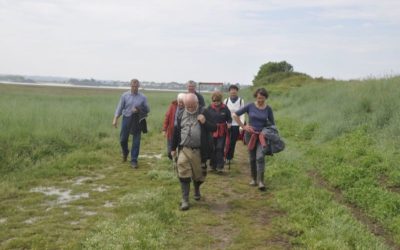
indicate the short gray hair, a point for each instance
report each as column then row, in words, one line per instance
column 191, row 82
column 180, row 97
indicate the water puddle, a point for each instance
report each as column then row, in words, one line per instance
column 158, row 156
column 63, row 195
column 101, row 188
column 90, row 213
column 83, row 179
column 31, row 220
column 108, row 204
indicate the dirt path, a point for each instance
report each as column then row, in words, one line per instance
column 242, row 212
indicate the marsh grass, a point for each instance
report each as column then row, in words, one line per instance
column 63, row 139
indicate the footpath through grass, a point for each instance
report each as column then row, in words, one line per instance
column 81, row 196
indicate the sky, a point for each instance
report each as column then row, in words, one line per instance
column 206, row 41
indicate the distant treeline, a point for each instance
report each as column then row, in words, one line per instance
column 111, row 83
column 15, row 78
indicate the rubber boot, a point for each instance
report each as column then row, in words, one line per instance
column 253, row 171
column 197, row 194
column 185, row 186
column 260, row 181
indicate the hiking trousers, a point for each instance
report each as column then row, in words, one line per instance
column 189, row 164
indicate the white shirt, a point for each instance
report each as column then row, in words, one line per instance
column 233, row 107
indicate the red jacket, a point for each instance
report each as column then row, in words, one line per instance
column 168, row 125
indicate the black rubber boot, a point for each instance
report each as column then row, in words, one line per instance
column 197, row 194
column 185, row 186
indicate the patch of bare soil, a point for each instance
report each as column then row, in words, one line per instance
column 374, row 227
column 225, row 232
column 383, row 181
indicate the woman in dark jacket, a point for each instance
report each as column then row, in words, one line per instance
column 221, row 114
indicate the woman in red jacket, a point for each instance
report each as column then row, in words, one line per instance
column 170, row 120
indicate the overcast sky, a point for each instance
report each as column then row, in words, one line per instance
column 207, row 40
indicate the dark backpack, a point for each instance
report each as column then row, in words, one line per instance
column 274, row 141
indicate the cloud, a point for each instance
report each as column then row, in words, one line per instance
column 179, row 40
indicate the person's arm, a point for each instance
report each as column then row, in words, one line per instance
column 200, row 98
column 176, row 138
column 146, row 107
column 118, row 111
column 242, row 117
column 229, row 117
column 240, row 112
column 271, row 116
column 206, row 120
column 166, row 120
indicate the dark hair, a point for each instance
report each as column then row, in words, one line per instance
column 233, row 87
column 261, row 91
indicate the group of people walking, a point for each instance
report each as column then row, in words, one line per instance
column 197, row 135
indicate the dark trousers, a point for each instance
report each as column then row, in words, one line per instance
column 124, row 137
column 234, row 134
column 217, row 157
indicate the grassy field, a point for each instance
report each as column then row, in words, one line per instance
column 336, row 186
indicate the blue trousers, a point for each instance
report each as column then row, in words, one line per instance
column 124, row 137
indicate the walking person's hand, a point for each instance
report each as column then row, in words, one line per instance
column 201, row 118
column 248, row 128
column 115, row 123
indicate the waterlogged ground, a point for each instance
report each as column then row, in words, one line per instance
column 115, row 207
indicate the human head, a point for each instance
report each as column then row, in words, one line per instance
column 191, row 103
column 180, row 98
column 135, row 84
column 191, row 86
column 216, row 97
column 261, row 95
column 233, row 90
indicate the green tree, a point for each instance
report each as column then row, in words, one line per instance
column 270, row 68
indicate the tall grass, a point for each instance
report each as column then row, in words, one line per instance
column 340, row 107
column 36, row 125
column 351, row 133
column 346, row 131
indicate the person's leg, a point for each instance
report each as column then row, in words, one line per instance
column 219, row 153
column 213, row 156
column 124, row 136
column 135, row 148
column 185, row 176
column 260, row 160
column 169, row 145
column 233, row 137
column 185, row 187
column 253, row 166
column 198, row 175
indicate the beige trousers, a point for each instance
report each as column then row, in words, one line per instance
column 189, row 164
